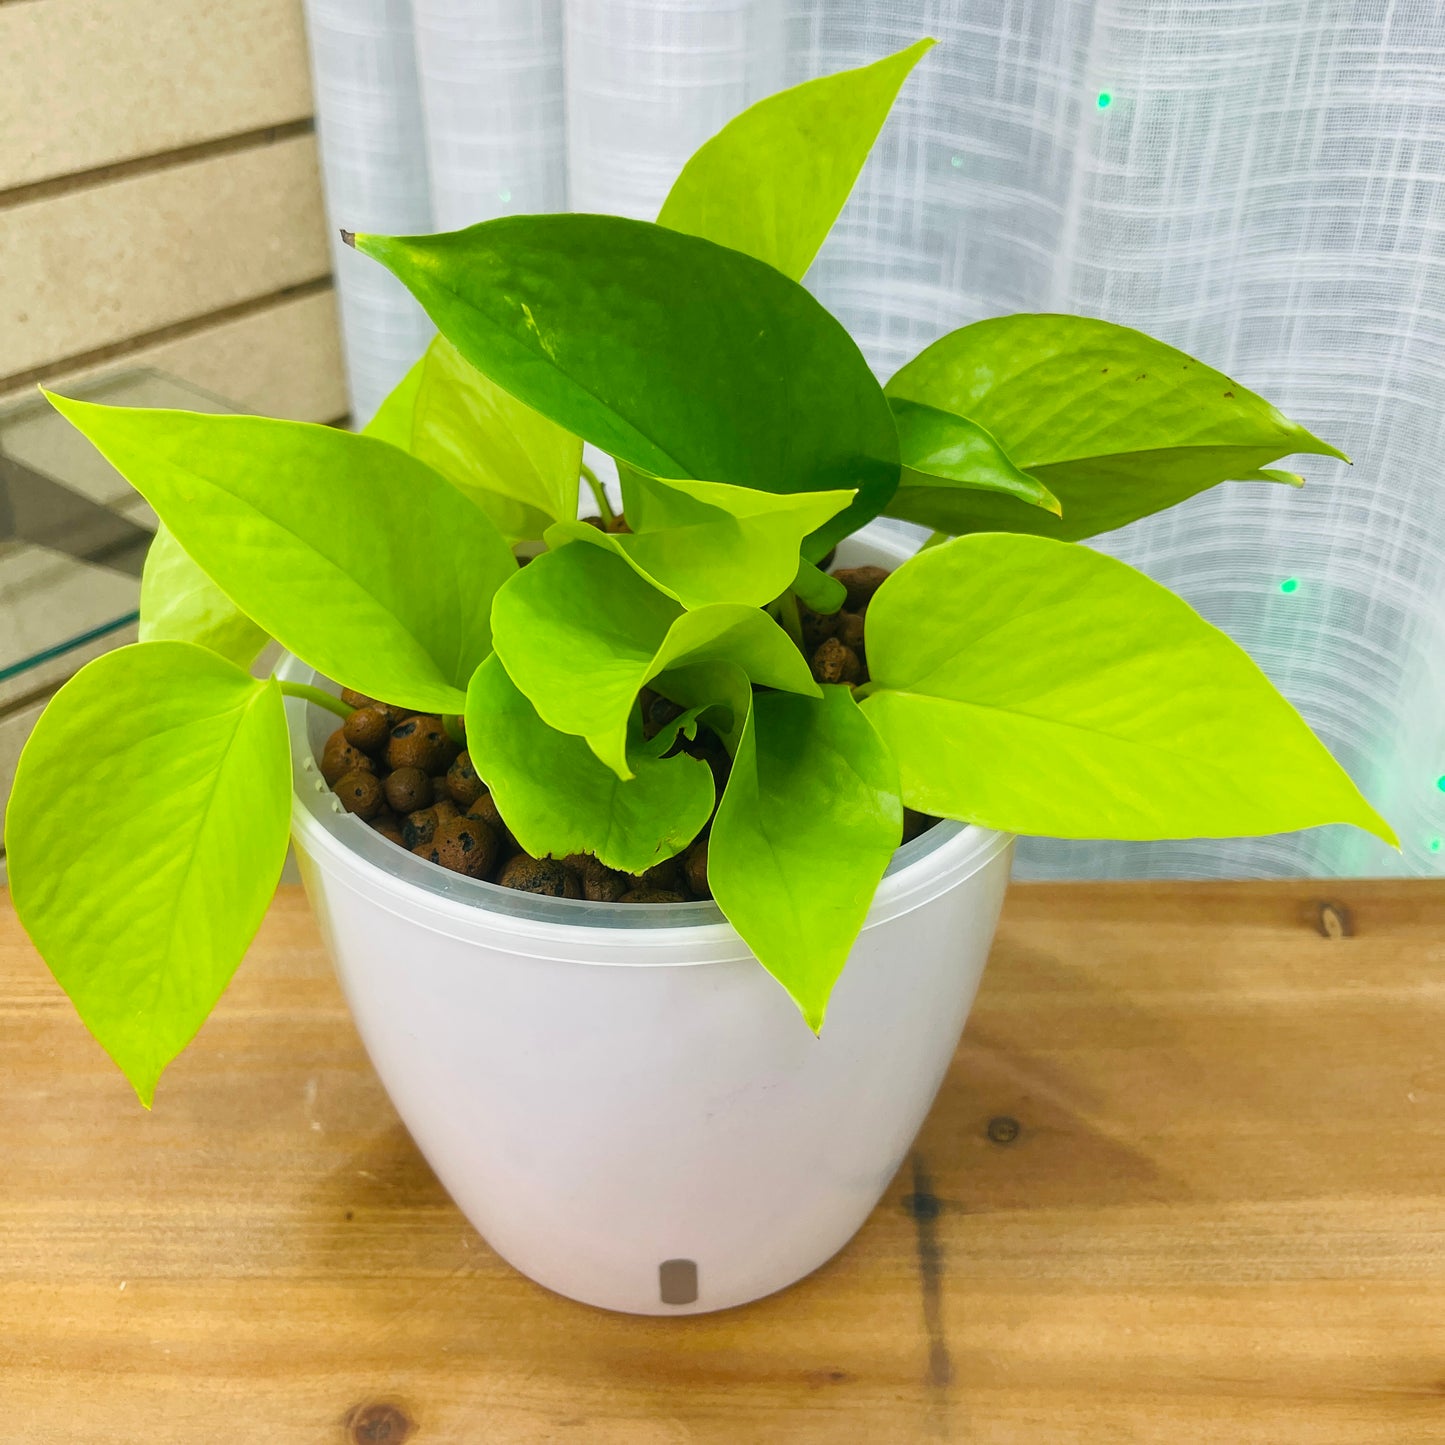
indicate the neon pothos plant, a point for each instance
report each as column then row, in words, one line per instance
column 1018, row 680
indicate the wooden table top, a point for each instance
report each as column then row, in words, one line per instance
column 1182, row 1184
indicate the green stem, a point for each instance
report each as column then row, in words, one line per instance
column 599, row 495
column 936, row 540
column 864, row 690
column 315, row 694
column 453, row 724
column 788, row 615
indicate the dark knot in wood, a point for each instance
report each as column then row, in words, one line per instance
column 1003, row 1130
column 378, row 1424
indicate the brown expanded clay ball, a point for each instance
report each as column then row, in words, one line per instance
column 694, row 868
column 408, row 789
column 352, row 698
column 817, row 627
column 360, row 793
column 485, row 808
column 604, row 885
column 368, row 728
column 465, row 845
column 419, row 827
column 422, row 826
column 653, row 895
column 548, row 876
column 421, row 742
column 709, row 747
column 463, row 783
column 836, row 663
column 339, row 757
column 666, row 875
column 860, row 583
column 850, row 631
column 600, row 884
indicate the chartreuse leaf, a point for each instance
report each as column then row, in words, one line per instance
column 1115, row 424
column 179, row 603
column 772, row 181
column 818, row 589
column 808, row 821
column 580, row 632
column 943, row 453
column 706, row 542
column 679, row 357
column 520, row 468
column 1038, row 687
column 716, row 693
column 325, row 539
column 557, row 798
column 145, row 836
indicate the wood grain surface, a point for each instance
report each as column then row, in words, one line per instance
column 1182, row 1184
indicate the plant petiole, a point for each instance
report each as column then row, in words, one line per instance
column 320, row 698
column 787, row 606
column 453, row 724
column 599, row 495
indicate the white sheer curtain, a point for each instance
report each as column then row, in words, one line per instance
column 1261, row 182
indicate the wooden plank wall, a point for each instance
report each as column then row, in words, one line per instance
column 160, row 203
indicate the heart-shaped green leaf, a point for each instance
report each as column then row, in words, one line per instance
column 772, row 181
column 520, row 468
column 944, row 455
column 357, row 557
column 705, row 542
column 806, row 827
column 1039, row 687
column 145, row 836
column 557, row 798
column 1114, row 423
column 580, row 633
column 679, row 357
column 179, row 603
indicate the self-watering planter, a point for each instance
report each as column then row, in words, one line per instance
column 692, row 1095
column 628, row 1108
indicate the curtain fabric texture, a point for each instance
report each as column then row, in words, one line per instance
column 1261, row 184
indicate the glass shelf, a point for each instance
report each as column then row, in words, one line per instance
column 73, row 533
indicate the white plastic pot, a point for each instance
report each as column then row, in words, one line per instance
column 621, row 1100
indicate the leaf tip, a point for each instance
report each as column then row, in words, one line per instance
column 144, row 1082
column 348, row 238
column 1318, row 447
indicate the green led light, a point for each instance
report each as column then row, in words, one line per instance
column 1105, row 100
column 956, row 162
column 1440, row 782
column 1436, row 844
column 504, row 196
column 1290, row 584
